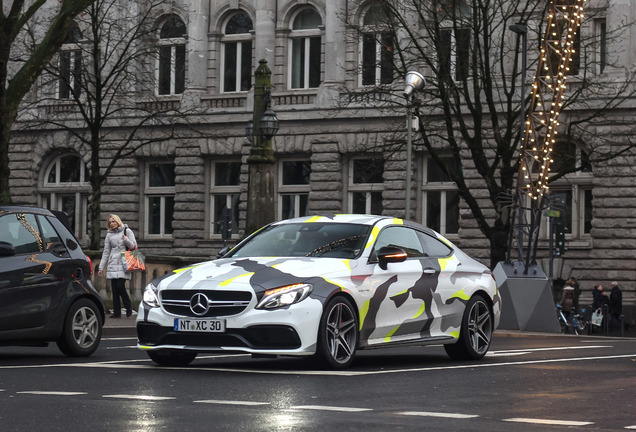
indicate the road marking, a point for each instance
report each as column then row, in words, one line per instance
column 122, row 365
column 548, row 422
column 630, row 427
column 228, row 402
column 52, row 393
column 438, row 414
column 524, row 351
column 329, row 408
column 139, row 397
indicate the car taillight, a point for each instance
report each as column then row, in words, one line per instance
column 90, row 263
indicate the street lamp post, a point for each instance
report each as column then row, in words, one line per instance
column 414, row 81
column 261, row 161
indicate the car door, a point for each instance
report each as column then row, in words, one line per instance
column 30, row 281
column 401, row 303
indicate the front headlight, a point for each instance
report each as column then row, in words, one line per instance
column 150, row 296
column 284, row 296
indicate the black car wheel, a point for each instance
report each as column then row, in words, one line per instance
column 172, row 358
column 476, row 331
column 338, row 333
column 82, row 330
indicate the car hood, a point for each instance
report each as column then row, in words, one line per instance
column 258, row 273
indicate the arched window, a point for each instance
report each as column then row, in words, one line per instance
column 376, row 50
column 70, row 65
column 237, row 53
column 172, row 57
column 305, row 49
column 65, row 187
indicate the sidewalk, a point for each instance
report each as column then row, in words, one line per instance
column 124, row 326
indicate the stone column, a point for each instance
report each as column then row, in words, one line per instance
column 335, row 42
column 261, row 191
column 335, row 47
column 265, row 26
column 197, row 45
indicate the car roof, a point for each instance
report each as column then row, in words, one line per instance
column 63, row 217
column 336, row 218
column 10, row 208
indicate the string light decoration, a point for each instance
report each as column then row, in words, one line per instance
column 542, row 120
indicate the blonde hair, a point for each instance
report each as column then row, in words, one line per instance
column 116, row 219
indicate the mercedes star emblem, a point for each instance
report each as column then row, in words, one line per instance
column 199, row 304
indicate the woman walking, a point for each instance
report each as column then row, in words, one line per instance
column 118, row 238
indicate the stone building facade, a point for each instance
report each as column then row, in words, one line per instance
column 331, row 157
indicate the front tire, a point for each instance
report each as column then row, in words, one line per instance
column 82, row 329
column 338, row 333
column 172, row 358
column 476, row 332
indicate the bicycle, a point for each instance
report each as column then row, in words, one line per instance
column 577, row 325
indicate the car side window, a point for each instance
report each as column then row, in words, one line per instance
column 432, row 246
column 49, row 235
column 21, row 230
column 403, row 237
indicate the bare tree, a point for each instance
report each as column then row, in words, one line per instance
column 17, row 78
column 101, row 90
column 471, row 105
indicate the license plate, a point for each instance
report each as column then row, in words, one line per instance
column 199, row 326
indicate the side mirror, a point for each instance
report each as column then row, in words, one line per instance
column 390, row 254
column 6, row 249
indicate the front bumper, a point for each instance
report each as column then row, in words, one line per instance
column 287, row 331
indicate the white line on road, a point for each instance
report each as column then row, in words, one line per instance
column 548, row 422
column 121, row 364
column 52, row 393
column 438, row 414
column 529, row 350
column 229, row 402
column 139, row 397
column 630, row 427
column 329, row 408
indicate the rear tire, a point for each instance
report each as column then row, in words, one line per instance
column 338, row 334
column 476, row 331
column 172, row 358
column 82, row 329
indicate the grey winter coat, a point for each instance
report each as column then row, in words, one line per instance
column 113, row 246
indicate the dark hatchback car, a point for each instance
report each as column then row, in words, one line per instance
column 46, row 294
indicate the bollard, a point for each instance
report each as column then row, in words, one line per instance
column 622, row 319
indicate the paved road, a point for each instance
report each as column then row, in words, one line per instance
column 526, row 383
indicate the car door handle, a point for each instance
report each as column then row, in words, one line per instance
column 430, row 271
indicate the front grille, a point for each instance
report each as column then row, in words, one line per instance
column 220, row 303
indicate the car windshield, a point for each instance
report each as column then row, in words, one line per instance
column 334, row 240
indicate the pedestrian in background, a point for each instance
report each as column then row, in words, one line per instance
column 577, row 290
column 567, row 301
column 615, row 304
column 599, row 298
column 118, row 238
